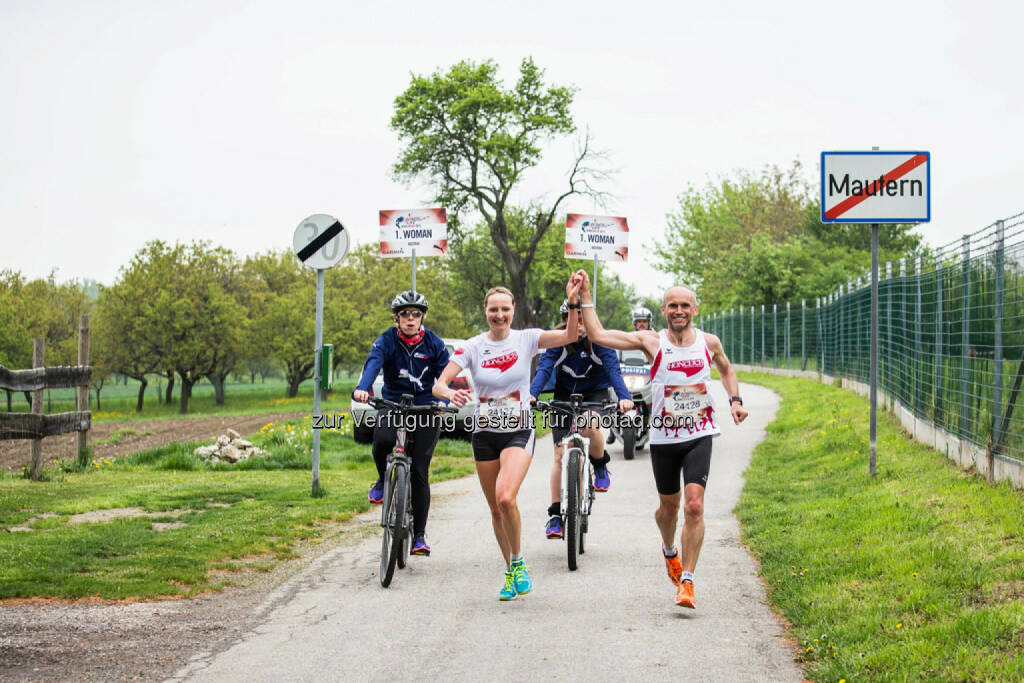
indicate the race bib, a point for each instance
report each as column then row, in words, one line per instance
column 501, row 412
column 685, row 405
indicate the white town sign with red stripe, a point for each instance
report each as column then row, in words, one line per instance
column 875, row 187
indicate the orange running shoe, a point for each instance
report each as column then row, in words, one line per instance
column 684, row 595
column 674, row 566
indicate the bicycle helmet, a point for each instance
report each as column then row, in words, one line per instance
column 642, row 314
column 408, row 299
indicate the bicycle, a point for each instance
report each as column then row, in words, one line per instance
column 577, row 471
column 396, row 510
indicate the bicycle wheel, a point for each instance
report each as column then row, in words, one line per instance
column 391, row 541
column 572, row 507
column 403, row 527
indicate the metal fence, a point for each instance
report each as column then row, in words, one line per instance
column 951, row 335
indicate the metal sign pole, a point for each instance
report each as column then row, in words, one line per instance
column 414, row 270
column 874, row 349
column 316, row 377
column 595, row 279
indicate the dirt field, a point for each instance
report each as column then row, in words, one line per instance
column 16, row 453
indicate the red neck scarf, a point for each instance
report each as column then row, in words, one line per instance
column 413, row 340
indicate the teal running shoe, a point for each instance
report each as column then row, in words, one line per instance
column 509, row 591
column 521, row 575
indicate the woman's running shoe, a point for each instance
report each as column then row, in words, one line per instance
column 376, row 494
column 509, row 590
column 523, row 582
column 419, row 546
column 554, row 527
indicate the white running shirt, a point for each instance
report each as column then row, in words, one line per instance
column 501, row 373
column 680, row 400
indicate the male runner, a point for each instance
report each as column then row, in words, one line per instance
column 683, row 420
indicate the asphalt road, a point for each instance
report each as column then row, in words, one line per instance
column 613, row 618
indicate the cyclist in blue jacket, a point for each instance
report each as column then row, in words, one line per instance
column 579, row 368
column 411, row 357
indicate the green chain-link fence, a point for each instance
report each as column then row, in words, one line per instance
column 951, row 335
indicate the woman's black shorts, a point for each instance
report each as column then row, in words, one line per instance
column 488, row 445
column 692, row 457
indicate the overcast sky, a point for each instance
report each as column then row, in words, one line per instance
column 231, row 121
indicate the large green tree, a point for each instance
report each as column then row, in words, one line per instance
column 472, row 140
column 758, row 238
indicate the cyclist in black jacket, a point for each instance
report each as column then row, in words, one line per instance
column 579, row 368
column 411, row 357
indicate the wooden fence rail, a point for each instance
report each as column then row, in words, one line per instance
column 57, row 377
column 31, row 426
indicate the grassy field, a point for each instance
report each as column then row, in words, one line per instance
column 117, row 402
column 915, row 574
column 197, row 526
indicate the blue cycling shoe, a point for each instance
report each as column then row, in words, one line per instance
column 554, row 527
column 419, row 546
column 602, row 480
column 376, row 494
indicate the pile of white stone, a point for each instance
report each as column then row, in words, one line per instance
column 230, row 447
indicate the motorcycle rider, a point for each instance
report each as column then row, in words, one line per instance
column 579, row 368
column 642, row 318
column 412, row 357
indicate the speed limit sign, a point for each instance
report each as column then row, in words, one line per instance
column 320, row 241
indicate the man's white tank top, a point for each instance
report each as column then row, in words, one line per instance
column 681, row 405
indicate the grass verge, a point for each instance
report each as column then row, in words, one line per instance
column 915, row 574
column 183, row 526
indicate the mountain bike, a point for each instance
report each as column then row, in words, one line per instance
column 577, row 470
column 396, row 510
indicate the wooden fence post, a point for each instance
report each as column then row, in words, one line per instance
column 82, row 437
column 37, row 409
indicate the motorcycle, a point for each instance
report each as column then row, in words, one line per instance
column 634, row 427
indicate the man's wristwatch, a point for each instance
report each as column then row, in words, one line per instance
column 735, row 399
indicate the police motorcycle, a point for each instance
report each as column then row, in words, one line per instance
column 634, row 427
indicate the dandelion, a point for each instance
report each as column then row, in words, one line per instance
column 913, row 574
column 899, row 625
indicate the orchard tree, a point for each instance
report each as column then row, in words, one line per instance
column 472, row 140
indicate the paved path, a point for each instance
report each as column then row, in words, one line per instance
column 614, row 618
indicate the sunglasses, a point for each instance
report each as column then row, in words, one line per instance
column 410, row 313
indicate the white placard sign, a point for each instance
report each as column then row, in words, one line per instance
column 603, row 237
column 320, row 241
column 403, row 230
column 875, row 187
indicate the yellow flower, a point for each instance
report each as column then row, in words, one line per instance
column 899, row 625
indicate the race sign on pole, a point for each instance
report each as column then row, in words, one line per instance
column 404, row 230
column 320, row 242
column 603, row 237
column 875, row 187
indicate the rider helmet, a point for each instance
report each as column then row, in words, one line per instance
column 642, row 313
column 408, row 299
column 564, row 308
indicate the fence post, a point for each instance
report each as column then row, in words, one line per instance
column 753, row 349
column 38, row 361
column 964, row 333
column 740, row 355
column 917, row 354
column 997, row 351
column 940, row 361
column 763, row 356
column 817, row 326
column 839, row 327
column 887, row 375
column 803, row 335
column 901, row 367
column 788, row 332
column 82, row 437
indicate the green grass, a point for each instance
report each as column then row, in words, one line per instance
column 118, row 401
column 915, row 574
column 250, row 516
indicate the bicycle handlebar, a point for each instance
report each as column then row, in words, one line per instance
column 571, row 408
column 380, row 402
